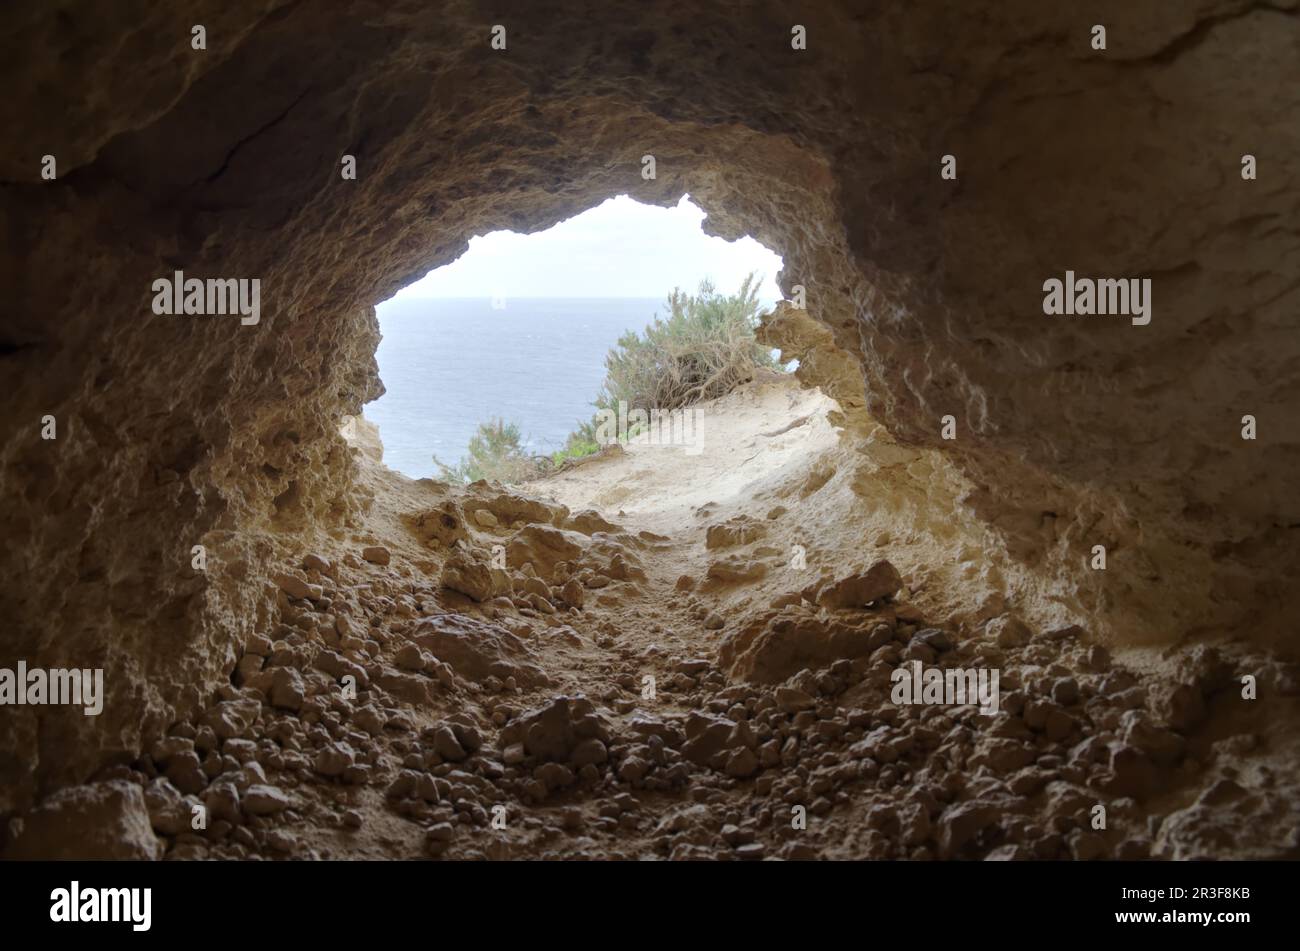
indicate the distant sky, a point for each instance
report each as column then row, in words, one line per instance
column 621, row 248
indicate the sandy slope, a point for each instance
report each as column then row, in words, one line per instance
column 752, row 438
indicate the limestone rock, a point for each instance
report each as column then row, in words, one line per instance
column 441, row 527
column 573, row 593
column 477, row 650
column 961, row 823
column 777, row 644
column 881, row 580
column 265, row 800
column 292, row 585
column 510, row 509
column 741, row 530
column 556, row 731
column 231, row 718
column 1008, row 632
column 589, row 522
column 544, row 547
column 287, row 690
column 736, row 570
column 99, row 821
column 471, row 575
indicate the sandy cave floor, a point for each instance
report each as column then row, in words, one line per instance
column 507, row 713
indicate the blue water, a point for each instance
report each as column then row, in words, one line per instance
column 450, row 364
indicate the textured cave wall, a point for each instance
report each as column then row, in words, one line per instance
column 177, row 431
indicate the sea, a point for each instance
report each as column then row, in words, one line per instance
column 449, row 364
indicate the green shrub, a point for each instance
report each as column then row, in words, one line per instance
column 496, row 452
column 574, row 448
column 703, row 349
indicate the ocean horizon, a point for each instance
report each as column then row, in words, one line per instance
column 449, row 364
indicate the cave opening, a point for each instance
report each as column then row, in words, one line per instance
column 509, row 346
column 664, row 659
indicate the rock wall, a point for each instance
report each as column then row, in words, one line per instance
column 926, row 293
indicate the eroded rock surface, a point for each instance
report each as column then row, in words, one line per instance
column 924, row 301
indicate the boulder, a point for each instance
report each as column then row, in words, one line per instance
column 879, row 581
column 98, row 821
